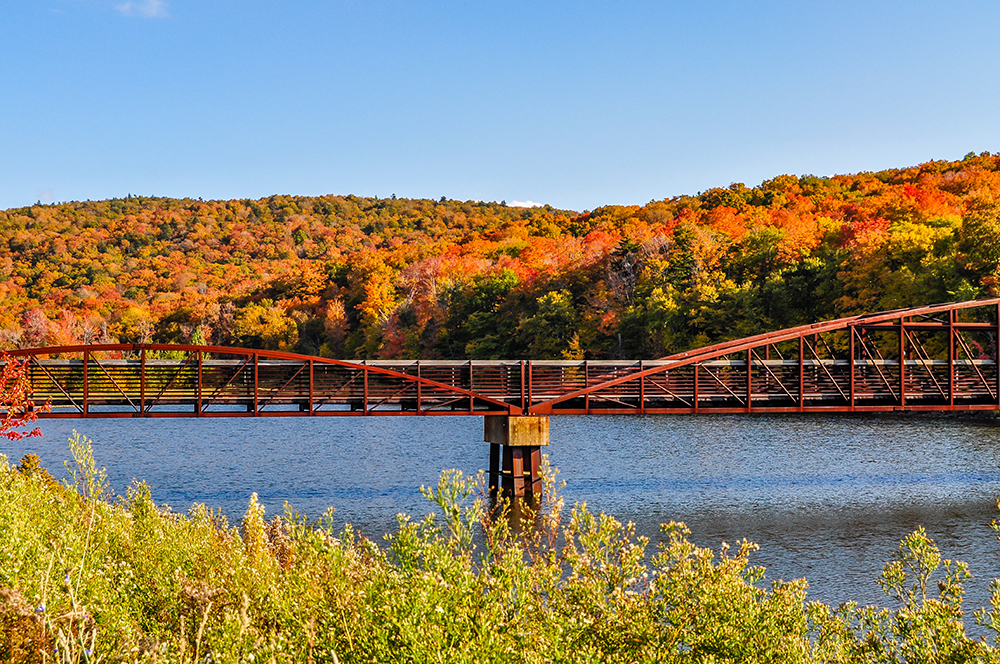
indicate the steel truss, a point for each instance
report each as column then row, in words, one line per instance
column 938, row 357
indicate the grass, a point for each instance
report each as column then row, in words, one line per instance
column 86, row 576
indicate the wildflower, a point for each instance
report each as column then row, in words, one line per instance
column 66, row 580
column 40, row 609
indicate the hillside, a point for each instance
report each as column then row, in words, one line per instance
column 356, row 277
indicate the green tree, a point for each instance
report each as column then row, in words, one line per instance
column 550, row 332
column 475, row 326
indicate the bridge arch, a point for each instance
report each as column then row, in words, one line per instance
column 134, row 380
column 928, row 358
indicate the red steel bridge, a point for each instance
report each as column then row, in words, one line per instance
column 940, row 357
column 929, row 358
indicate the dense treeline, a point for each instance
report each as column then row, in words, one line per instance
column 365, row 277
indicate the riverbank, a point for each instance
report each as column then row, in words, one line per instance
column 82, row 570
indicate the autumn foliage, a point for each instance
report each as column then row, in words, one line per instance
column 357, row 277
column 16, row 411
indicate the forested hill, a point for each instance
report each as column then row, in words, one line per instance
column 356, row 277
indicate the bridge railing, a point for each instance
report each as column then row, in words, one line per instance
column 940, row 357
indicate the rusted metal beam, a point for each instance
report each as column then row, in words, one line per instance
column 86, row 384
column 405, row 387
column 749, row 400
column 853, row 333
column 802, row 373
column 419, row 390
column 902, row 363
column 951, row 358
column 642, row 388
column 142, row 381
column 331, row 395
column 201, row 360
column 288, row 382
column 256, row 381
column 696, row 366
column 663, row 387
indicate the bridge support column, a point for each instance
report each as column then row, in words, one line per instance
column 516, row 443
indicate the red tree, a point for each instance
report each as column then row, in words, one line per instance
column 15, row 401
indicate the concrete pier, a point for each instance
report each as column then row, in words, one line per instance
column 515, row 452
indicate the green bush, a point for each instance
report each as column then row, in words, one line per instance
column 86, row 576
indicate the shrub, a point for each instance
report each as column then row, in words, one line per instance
column 87, row 576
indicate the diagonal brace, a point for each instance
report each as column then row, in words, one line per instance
column 113, row 382
column 218, row 391
column 55, row 382
column 280, row 389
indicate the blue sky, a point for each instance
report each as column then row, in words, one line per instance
column 572, row 104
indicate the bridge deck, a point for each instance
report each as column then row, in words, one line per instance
column 942, row 357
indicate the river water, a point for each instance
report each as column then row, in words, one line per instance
column 827, row 498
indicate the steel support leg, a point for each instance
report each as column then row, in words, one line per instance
column 495, row 469
column 520, row 476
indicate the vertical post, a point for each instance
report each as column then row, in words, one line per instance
column 494, row 478
column 256, row 379
column 534, row 474
column 507, row 470
column 586, row 384
column 642, row 390
column 816, row 358
column 802, row 373
column 472, row 403
column 517, row 471
column 311, row 385
column 419, row 387
column 86, row 383
column 364, row 406
column 951, row 357
column 851, row 328
column 530, row 402
column 902, row 362
column 696, row 365
column 198, row 399
column 749, row 380
column 142, row 381
column 523, row 405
